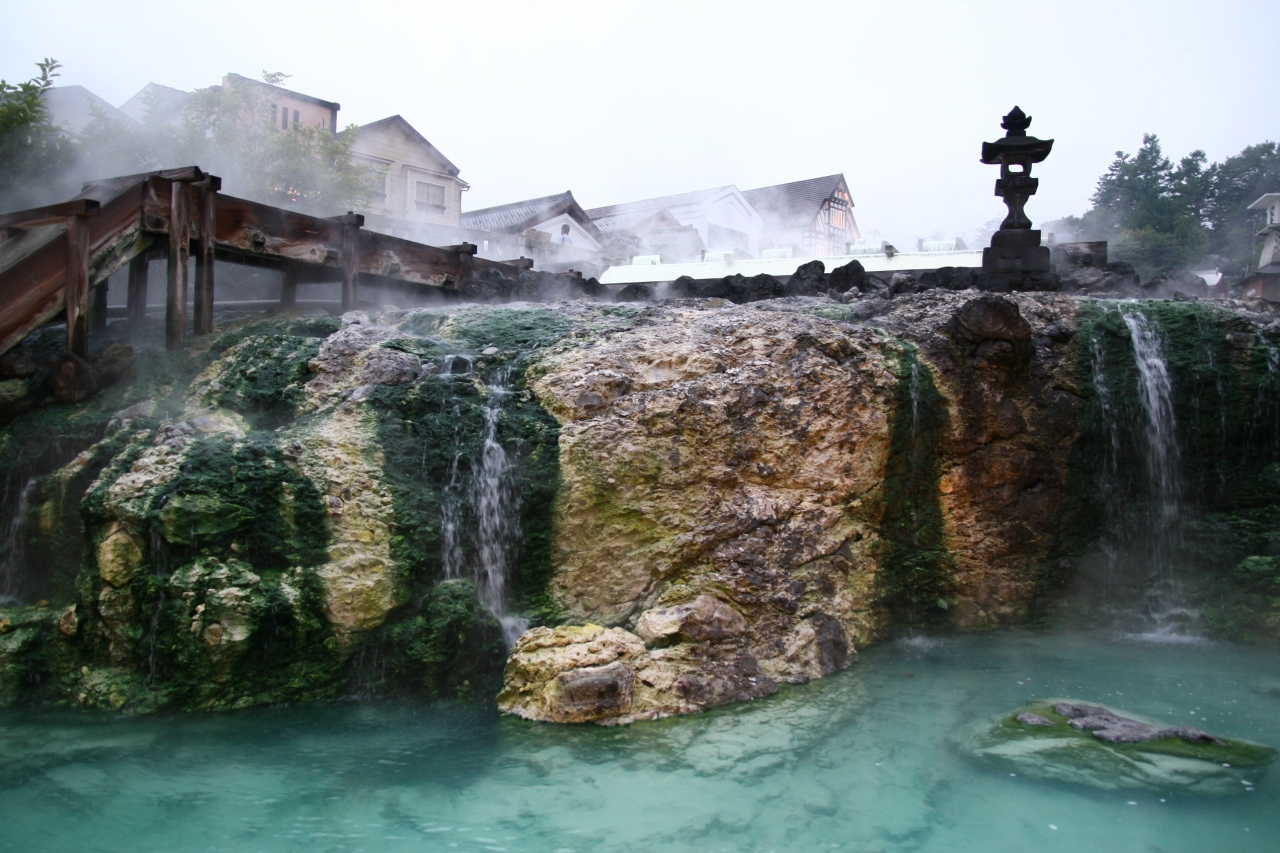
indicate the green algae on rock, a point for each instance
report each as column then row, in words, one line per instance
column 1043, row 742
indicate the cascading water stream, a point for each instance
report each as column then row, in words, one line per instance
column 496, row 522
column 12, row 567
column 492, row 494
column 1145, row 549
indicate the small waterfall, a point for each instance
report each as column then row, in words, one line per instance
column 12, row 569
column 1165, row 601
column 494, row 500
column 1141, row 483
column 498, row 527
column 1155, row 393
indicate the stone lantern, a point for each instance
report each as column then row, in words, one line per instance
column 1016, row 246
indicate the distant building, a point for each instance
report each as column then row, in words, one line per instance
column 157, row 104
column 722, row 217
column 289, row 108
column 813, row 218
column 1264, row 283
column 551, row 229
column 72, row 109
column 419, row 184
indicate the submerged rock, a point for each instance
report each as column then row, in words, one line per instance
column 1095, row 746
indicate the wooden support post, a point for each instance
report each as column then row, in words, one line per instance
column 137, row 298
column 202, row 315
column 175, row 314
column 98, row 316
column 466, row 252
column 77, row 285
column 350, row 259
column 289, row 287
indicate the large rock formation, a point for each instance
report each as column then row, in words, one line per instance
column 754, row 492
column 693, row 501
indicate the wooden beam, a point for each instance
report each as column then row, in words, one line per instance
column 185, row 174
column 77, row 286
column 52, row 214
column 203, row 309
column 175, row 316
column 137, row 298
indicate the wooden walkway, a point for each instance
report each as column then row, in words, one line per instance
column 57, row 259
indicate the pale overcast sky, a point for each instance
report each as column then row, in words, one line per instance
column 625, row 100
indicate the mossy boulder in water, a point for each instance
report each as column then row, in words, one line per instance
column 1092, row 745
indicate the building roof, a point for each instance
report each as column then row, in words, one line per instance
column 796, row 203
column 72, row 108
column 156, row 102
column 412, row 131
column 622, row 217
column 519, row 216
column 239, row 78
column 1265, row 202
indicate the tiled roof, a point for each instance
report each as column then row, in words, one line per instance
column 624, row 220
column 519, row 216
column 644, row 208
column 506, row 216
column 796, row 203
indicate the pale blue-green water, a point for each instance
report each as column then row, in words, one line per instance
column 862, row 761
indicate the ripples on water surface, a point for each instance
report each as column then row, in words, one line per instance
column 861, row 761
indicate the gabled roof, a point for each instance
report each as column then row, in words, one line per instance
column 154, row 101
column 71, row 108
column 796, row 203
column 413, row 132
column 519, row 216
column 310, row 99
column 618, row 217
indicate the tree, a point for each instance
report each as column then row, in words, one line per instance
column 1160, row 217
column 1237, row 182
column 33, row 152
column 228, row 131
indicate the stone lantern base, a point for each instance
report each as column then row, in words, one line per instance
column 1016, row 250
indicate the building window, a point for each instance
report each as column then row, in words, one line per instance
column 284, row 118
column 295, row 119
column 275, row 117
column 429, row 198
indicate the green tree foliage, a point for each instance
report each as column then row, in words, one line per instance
column 1160, row 216
column 33, row 152
column 226, row 130
column 229, row 131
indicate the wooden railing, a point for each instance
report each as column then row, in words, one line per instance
column 133, row 219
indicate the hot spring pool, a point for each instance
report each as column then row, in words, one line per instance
column 862, row 761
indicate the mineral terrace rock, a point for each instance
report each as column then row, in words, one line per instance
column 706, row 618
column 1104, row 749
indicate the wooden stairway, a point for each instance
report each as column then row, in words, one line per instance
column 54, row 259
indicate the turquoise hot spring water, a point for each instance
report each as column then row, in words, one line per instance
column 866, row 760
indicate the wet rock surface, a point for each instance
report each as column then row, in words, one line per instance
column 724, row 497
column 1099, row 747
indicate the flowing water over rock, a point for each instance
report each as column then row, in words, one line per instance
column 1144, row 546
column 865, row 760
column 497, row 523
column 12, row 557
